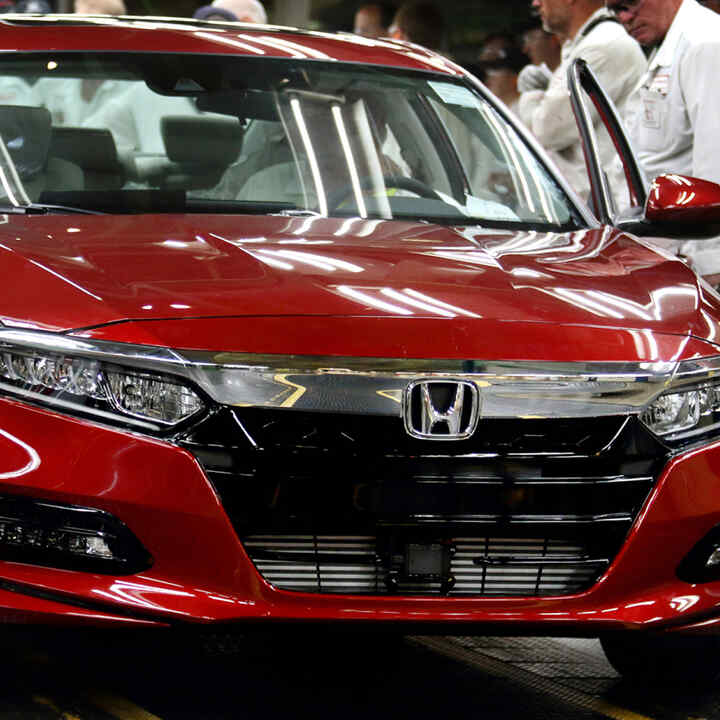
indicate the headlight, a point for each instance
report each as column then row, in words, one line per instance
column 140, row 398
column 685, row 415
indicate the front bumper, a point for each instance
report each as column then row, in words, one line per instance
column 201, row 573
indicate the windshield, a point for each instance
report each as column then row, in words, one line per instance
column 189, row 133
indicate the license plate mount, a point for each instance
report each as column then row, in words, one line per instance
column 427, row 561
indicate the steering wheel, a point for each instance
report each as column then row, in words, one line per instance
column 401, row 182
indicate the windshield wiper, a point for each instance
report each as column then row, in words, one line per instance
column 298, row 212
column 44, row 209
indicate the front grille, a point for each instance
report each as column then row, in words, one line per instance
column 348, row 504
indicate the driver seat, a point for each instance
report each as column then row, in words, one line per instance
column 26, row 131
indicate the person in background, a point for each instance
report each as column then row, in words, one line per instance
column 672, row 114
column 500, row 75
column 545, row 52
column 497, row 46
column 14, row 90
column 616, row 59
column 32, row 6
column 134, row 116
column 215, row 14
column 100, row 7
column 373, row 20
column 420, row 23
column 542, row 47
column 70, row 101
column 714, row 5
column 246, row 11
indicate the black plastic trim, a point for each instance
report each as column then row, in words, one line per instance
column 693, row 568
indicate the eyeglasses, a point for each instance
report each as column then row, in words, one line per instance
column 624, row 6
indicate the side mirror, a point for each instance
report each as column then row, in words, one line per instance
column 677, row 199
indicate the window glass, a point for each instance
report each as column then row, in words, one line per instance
column 165, row 133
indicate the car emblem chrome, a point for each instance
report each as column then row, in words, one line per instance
column 441, row 409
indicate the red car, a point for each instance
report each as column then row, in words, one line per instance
column 301, row 328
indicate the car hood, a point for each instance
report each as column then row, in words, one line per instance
column 327, row 286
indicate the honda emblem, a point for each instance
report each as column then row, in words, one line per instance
column 441, row 409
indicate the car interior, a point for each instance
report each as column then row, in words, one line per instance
column 158, row 135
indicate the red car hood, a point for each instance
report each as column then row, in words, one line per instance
column 325, row 286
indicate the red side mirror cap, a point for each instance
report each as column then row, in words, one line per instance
column 680, row 199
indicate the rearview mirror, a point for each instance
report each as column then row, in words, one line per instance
column 677, row 199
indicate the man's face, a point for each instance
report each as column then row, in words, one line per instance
column 555, row 15
column 367, row 23
column 646, row 20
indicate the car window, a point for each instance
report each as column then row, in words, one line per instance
column 167, row 133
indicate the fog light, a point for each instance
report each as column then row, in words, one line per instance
column 714, row 558
column 97, row 546
column 68, row 536
column 702, row 563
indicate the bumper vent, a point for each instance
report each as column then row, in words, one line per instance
column 355, row 565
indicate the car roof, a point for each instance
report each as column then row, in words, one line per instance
column 57, row 32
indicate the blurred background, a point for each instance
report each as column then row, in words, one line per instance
column 468, row 21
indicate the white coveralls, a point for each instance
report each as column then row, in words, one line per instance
column 68, row 104
column 672, row 116
column 618, row 62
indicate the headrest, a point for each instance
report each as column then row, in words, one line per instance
column 202, row 141
column 92, row 149
column 26, row 133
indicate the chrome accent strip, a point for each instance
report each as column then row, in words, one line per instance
column 375, row 386
column 510, row 519
column 534, row 560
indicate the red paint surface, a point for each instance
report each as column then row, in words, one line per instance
column 679, row 199
column 279, row 285
column 154, row 35
column 201, row 573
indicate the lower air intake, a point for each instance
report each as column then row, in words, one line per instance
column 475, row 566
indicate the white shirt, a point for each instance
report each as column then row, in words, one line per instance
column 15, row 91
column 68, row 104
column 672, row 116
column 618, row 62
column 134, row 116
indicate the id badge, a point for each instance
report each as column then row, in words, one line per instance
column 651, row 118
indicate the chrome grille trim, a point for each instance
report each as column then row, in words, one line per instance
column 519, row 567
column 375, row 386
